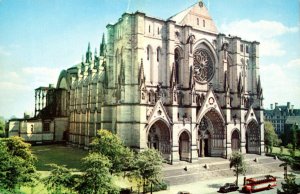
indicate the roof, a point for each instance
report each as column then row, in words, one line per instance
column 196, row 16
column 180, row 16
column 283, row 111
column 293, row 120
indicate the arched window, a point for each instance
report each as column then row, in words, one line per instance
column 157, row 54
column 148, row 53
column 198, row 21
column 177, row 64
column 149, row 64
column 149, row 28
column 203, row 23
column 158, row 30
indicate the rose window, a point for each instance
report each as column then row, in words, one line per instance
column 203, row 66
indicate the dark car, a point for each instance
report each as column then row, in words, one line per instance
column 228, row 187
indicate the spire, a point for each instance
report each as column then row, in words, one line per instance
column 259, row 88
column 95, row 53
column 258, row 85
column 102, row 46
column 88, row 54
column 96, row 58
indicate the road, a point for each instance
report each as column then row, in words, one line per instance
column 212, row 186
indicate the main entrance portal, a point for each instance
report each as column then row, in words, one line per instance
column 211, row 135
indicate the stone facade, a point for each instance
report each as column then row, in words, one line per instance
column 176, row 85
column 50, row 122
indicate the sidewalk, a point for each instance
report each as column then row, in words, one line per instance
column 213, row 185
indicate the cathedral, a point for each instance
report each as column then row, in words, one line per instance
column 175, row 85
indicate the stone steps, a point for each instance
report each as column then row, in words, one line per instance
column 176, row 175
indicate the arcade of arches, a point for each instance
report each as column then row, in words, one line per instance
column 210, row 139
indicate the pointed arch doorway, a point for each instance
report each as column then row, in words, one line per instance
column 252, row 138
column 211, row 135
column 235, row 141
column 184, row 146
column 159, row 138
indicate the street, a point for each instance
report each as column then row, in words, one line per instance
column 212, row 186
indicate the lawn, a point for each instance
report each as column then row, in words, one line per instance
column 63, row 155
column 276, row 150
column 58, row 154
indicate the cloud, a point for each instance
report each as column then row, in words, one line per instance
column 17, row 87
column 264, row 31
column 281, row 82
column 294, row 64
column 41, row 75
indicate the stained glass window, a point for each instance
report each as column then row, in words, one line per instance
column 203, row 66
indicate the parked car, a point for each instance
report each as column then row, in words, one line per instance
column 228, row 187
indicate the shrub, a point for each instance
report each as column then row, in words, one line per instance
column 157, row 186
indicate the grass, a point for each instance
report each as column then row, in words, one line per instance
column 276, row 150
column 39, row 188
column 58, row 154
column 68, row 156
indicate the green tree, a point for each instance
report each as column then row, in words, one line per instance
column 287, row 161
column 2, row 127
column 96, row 178
column 294, row 136
column 271, row 137
column 237, row 161
column 148, row 165
column 110, row 145
column 16, row 164
column 291, row 150
column 289, row 186
column 60, row 180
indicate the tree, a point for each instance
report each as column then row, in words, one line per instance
column 148, row 166
column 287, row 161
column 2, row 127
column 289, row 186
column 96, row 178
column 271, row 137
column 111, row 146
column 294, row 136
column 237, row 161
column 16, row 164
column 60, row 180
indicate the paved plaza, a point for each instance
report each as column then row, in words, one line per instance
column 206, row 175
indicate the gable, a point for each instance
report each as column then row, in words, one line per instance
column 250, row 116
column 209, row 103
column 159, row 112
column 196, row 16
